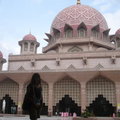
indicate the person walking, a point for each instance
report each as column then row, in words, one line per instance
column 33, row 98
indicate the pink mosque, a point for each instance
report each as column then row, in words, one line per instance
column 79, row 67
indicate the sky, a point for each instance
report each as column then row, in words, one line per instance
column 20, row 17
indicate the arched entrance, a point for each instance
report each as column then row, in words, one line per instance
column 101, row 96
column 67, row 96
column 9, row 94
column 101, row 107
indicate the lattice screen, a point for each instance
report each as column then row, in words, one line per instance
column 101, row 86
column 67, row 86
column 9, row 87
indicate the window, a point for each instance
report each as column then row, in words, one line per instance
column 81, row 32
column 118, row 42
column 32, row 47
column 95, row 33
column 57, row 35
column 26, row 46
column 69, row 33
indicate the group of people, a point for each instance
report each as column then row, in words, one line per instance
column 32, row 103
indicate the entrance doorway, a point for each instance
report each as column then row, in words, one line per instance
column 67, row 105
column 101, row 107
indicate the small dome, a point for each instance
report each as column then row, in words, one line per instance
column 29, row 37
column 1, row 55
column 117, row 32
column 77, row 14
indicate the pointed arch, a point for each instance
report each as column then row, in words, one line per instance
column 67, row 86
column 82, row 30
column 68, row 30
column 9, row 87
column 101, row 85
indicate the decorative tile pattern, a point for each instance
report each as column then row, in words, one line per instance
column 9, row 87
column 67, row 86
column 76, row 14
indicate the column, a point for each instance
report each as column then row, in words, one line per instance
column 20, row 98
column 118, row 95
column 83, row 96
column 50, row 100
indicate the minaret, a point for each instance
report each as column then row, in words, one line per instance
column 78, row 2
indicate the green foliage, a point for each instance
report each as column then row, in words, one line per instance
column 87, row 114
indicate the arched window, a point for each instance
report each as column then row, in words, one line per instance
column 68, row 31
column 95, row 31
column 25, row 46
column 106, row 34
column 32, row 47
column 56, row 33
column 81, row 32
column 118, row 42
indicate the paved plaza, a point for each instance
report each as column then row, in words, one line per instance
column 27, row 118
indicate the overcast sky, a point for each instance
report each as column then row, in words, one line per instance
column 19, row 17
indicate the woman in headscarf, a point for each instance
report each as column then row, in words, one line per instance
column 33, row 98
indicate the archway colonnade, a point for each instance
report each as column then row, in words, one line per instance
column 81, row 87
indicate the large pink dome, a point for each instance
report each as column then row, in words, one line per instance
column 1, row 55
column 29, row 37
column 117, row 32
column 76, row 14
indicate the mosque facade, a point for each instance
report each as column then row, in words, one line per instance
column 79, row 67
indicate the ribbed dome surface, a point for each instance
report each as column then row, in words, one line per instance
column 76, row 14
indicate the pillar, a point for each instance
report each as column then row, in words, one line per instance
column 50, row 100
column 20, row 98
column 83, row 96
column 118, row 95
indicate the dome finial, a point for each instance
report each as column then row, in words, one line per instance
column 78, row 2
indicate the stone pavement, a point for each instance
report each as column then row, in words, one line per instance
column 27, row 118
